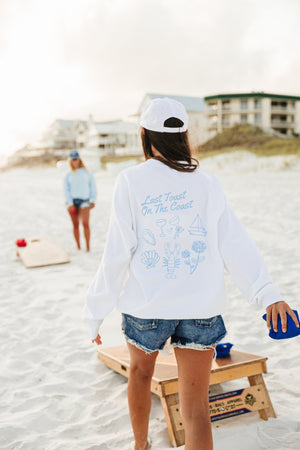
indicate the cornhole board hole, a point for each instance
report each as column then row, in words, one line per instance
column 42, row 251
column 254, row 397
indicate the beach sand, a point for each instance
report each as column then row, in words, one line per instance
column 55, row 393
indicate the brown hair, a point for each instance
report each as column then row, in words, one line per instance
column 174, row 148
column 81, row 165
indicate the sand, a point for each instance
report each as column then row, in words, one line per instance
column 55, row 393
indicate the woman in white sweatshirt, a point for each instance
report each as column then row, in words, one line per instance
column 172, row 232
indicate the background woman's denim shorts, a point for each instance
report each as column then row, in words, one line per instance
column 151, row 335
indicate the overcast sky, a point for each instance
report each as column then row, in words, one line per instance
column 71, row 58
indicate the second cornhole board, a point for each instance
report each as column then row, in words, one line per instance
column 227, row 404
column 42, row 251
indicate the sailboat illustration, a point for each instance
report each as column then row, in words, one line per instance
column 196, row 228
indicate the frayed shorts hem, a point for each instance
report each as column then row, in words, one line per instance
column 191, row 346
column 140, row 346
column 198, row 347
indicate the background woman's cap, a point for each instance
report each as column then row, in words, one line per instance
column 74, row 155
column 164, row 115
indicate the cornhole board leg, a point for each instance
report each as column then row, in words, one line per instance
column 269, row 411
column 222, row 406
column 172, row 416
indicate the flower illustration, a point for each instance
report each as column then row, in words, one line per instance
column 185, row 254
column 199, row 246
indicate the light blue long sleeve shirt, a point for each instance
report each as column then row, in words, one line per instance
column 80, row 184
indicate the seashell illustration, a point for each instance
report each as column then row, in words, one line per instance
column 150, row 258
column 149, row 237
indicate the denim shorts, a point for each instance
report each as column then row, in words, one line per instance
column 151, row 335
column 80, row 203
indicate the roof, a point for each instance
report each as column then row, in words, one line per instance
column 252, row 94
column 114, row 127
column 65, row 123
column 191, row 104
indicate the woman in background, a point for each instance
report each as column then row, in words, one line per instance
column 80, row 194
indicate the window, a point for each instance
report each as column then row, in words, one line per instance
column 212, row 106
column 244, row 118
column 257, row 103
column 257, row 118
column 244, row 103
column 226, row 104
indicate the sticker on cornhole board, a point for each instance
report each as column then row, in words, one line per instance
column 42, row 251
column 230, row 404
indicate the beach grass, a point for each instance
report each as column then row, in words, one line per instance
column 250, row 138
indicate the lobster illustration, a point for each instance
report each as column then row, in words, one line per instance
column 171, row 261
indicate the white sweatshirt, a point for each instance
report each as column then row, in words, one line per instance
column 173, row 232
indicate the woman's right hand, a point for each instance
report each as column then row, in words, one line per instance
column 97, row 340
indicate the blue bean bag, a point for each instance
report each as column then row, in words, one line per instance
column 223, row 350
column 291, row 331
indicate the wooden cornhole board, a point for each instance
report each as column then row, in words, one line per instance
column 164, row 383
column 42, row 251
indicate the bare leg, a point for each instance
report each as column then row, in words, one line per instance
column 193, row 386
column 84, row 217
column 139, row 393
column 75, row 223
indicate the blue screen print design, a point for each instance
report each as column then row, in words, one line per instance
column 149, row 237
column 172, row 261
column 170, row 227
column 193, row 259
column 150, row 258
column 196, row 228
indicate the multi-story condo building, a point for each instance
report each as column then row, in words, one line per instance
column 268, row 111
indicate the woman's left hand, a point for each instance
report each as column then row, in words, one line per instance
column 281, row 308
column 92, row 205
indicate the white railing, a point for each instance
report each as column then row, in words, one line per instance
column 282, row 123
column 283, row 109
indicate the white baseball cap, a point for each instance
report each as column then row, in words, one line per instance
column 154, row 117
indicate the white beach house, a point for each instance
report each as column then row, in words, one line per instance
column 62, row 134
column 112, row 136
column 268, row 111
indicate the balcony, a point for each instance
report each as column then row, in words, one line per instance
column 212, row 112
column 282, row 124
column 226, row 108
column 212, row 125
column 283, row 109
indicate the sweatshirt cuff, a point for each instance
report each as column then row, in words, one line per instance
column 94, row 326
column 268, row 295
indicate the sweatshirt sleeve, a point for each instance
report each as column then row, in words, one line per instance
column 93, row 188
column 244, row 262
column 105, row 289
column 67, row 190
